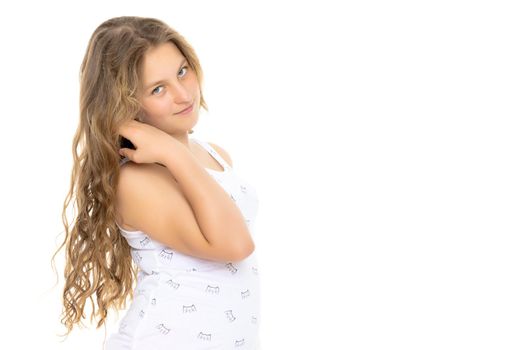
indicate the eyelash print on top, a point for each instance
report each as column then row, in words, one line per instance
column 153, row 91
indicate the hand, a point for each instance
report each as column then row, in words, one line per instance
column 152, row 144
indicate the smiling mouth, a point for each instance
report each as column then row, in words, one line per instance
column 185, row 110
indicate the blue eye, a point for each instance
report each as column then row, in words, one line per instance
column 153, row 91
column 185, row 67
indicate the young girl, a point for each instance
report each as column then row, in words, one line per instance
column 168, row 214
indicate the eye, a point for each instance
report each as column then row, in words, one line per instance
column 153, row 91
column 185, row 67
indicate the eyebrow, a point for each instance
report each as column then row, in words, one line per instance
column 161, row 81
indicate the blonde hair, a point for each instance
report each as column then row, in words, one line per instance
column 97, row 258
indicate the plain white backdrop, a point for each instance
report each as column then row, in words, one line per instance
column 385, row 140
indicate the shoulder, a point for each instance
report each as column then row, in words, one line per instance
column 222, row 152
column 138, row 184
column 133, row 176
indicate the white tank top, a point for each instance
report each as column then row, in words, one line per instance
column 185, row 302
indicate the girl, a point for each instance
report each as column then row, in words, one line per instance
column 167, row 223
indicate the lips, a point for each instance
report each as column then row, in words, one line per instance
column 185, row 110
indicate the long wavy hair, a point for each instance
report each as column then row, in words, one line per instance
column 97, row 257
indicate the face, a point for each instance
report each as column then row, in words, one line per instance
column 169, row 87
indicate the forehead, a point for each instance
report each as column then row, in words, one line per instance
column 160, row 58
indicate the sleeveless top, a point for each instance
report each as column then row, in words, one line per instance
column 185, row 302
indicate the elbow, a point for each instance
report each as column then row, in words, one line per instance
column 244, row 252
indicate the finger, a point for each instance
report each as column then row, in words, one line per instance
column 124, row 152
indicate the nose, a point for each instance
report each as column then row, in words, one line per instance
column 180, row 94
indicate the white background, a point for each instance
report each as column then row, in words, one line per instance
column 385, row 140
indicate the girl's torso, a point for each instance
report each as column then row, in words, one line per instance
column 184, row 300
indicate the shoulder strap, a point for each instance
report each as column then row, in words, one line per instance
column 213, row 153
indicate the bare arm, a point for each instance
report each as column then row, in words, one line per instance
column 218, row 217
column 183, row 207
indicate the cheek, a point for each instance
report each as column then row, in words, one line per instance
column 159, row 106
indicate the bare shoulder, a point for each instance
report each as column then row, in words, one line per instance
column 222, row 152
column 135, row 177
